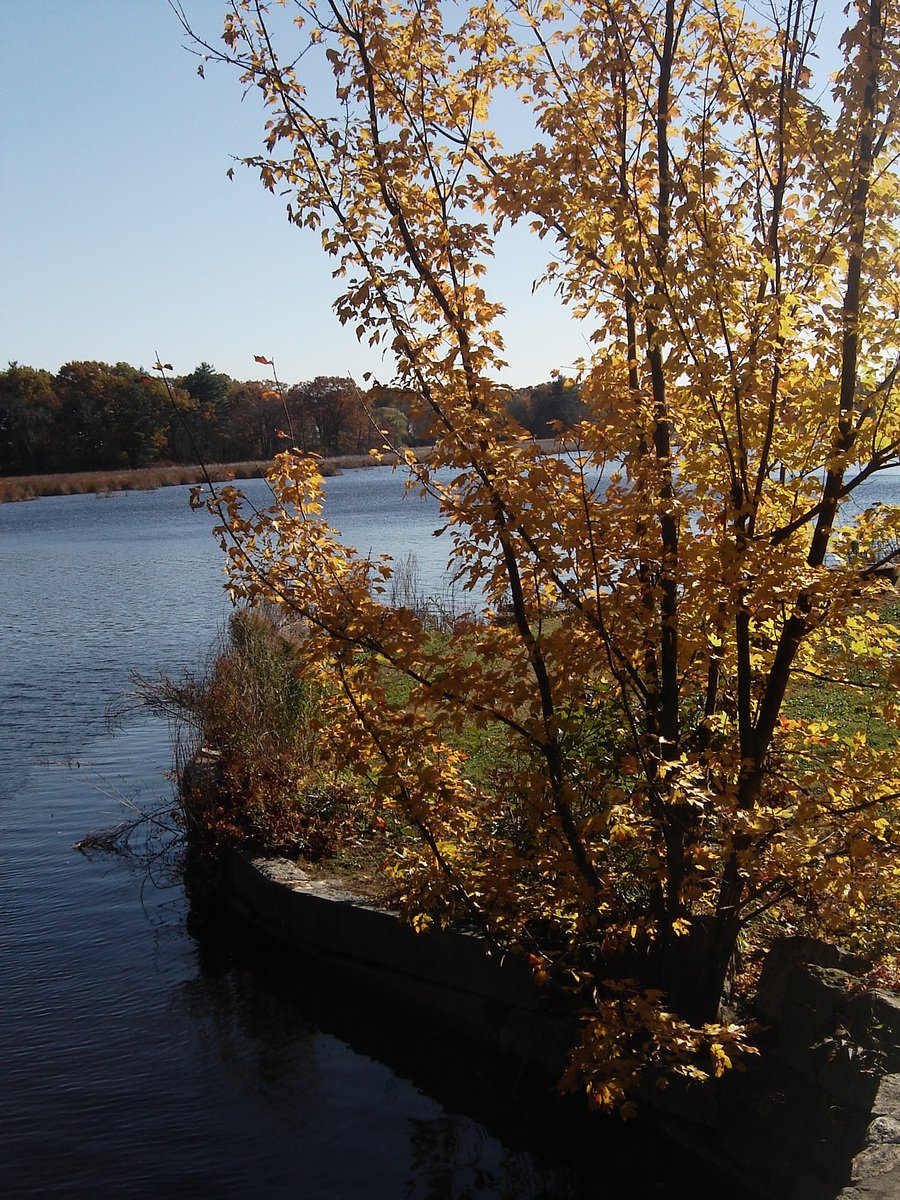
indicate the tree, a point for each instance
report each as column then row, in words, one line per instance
column 28, row 409
column 549, row 409
column 392, row 424
column 729, row 226
column 109, row 416
column 204, row 422
column 141, row 417
column 333, row 415
column 255, row 413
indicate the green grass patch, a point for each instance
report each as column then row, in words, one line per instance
column 848, row 691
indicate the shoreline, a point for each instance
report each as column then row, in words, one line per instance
column 810, row 1118
column 16, row 488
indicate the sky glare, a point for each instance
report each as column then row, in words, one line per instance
column 122, row 237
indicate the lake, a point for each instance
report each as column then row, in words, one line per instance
column 147, row 1051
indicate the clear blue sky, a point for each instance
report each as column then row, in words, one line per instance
column 122, row 235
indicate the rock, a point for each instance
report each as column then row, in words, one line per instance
column 887, row 1099
column 876, row 1169
column 874, row 1023
column 883, row 1130
column 881, row 1187
column 785, row 954
column 874, row 1161
column 813, row 1005
column 810, row 1186
column 847, row 1076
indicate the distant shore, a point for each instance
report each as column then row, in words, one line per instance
column 143, row 479
column 147, row 479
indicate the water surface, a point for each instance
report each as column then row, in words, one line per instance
column 144, row 1054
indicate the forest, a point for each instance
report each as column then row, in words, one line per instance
column 94, row 416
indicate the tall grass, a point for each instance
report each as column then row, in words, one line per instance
column 143, row 479
column 443, row 612
column 147, row 479
column 249, row 746
column 103, row 483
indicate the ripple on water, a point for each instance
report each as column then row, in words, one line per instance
column 141, row 1062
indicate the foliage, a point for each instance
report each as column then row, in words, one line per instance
column 547, row 409
column 110, row 416
column 27, row 413
column 92, row 416
column 727, row 230
column 127, row 479
column 853, row 697
column 256, row 768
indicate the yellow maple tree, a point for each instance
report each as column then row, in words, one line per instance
column 725, row 224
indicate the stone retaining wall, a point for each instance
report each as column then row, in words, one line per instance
column 449, row 976
column 844, row 1042
column 825, row 1088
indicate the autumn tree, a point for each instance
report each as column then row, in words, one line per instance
column 254, row 415
column 332, row 414
column 725, row 219
column 198, row 427
column 108, row 416
column 28, row 410
column 549, row 409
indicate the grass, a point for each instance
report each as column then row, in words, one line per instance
column 252, row 765
column 266, row 779
column 275, row 788
column 145, row 479
column 141, row 479
column 104, row 483
column 846, row 696
column 255, row 769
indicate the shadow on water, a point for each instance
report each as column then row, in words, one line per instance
column 490, row 1132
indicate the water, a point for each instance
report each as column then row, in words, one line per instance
column 143, row 1052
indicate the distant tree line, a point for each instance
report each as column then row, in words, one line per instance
column 93, row 416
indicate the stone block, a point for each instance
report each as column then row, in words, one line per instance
column 874, row 1024
column 814, row 1002
column 810, row 1186
column 883, row 1130
column 785, row 954
column 877, row 1187
column 887, row 1098
column 846, row 1075
column 875, row 1161
column 793, row 1135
